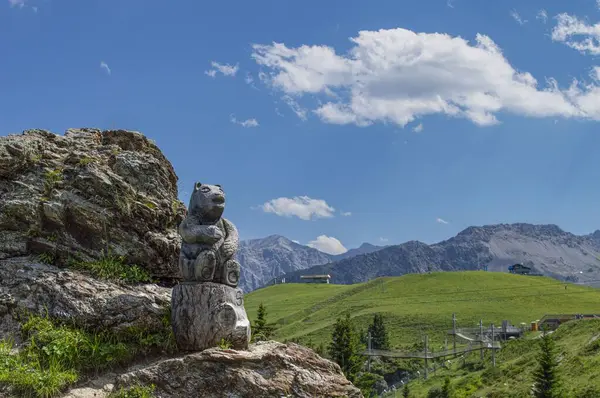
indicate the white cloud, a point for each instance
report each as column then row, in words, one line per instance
column 296, row 108
column 577, row 34
column 396, row 76
column 249, row 79
column 17, row 3
column 598, row 3
column 302, row 207
column 224, row 69
column 296, row 242
column 346, row 213
column 105, row 66
column 441, row 221
column 450, row 3
column 515, row 15
column 418, row 128
column 246, row 123
column 384, row 240
column 542, row 15
column 327, row 244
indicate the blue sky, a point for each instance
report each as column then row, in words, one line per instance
column 417, row 135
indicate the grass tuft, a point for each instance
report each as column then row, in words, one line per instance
column 114, row 268
column 55, row 355
column 134, row 392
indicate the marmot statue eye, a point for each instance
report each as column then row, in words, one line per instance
column 205, row 189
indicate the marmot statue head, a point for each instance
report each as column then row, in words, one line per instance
column 207, row 202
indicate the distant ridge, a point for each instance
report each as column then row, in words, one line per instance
column 546, row 248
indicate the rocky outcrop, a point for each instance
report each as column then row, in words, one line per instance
column 74, row 196
column 84, row 301
column 267, row 369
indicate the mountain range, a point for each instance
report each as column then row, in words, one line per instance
column 546, row 248
column 264, row 260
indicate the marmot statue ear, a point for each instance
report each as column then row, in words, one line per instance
column 197, row 186
column 217, row 185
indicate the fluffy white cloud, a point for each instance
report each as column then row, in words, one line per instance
column 327, row 244
column 246, row 123
column 441, row 221
column 515, row 15
column 542, row 15
column 418, row 128
column 396, row 76
column 577, row 34
column 302, row 207
column 105, row 66
column 225, row 69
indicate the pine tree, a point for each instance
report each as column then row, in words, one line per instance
column 261, row 330
column 545, row 376
column 379, row 336
column 405, row 391
column 446, row 388
column 343, row 349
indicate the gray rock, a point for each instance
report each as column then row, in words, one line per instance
column 204, row 313
column 67, row 295
column 86, row 191
column 267, row 369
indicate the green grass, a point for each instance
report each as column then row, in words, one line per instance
column 114, row 268
column 55, row 355
column 418, row 304
column 579, row 367
column 134, row 392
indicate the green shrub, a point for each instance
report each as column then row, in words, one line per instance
column 51, row 178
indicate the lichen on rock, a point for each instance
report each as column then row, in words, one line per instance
column 80, row 194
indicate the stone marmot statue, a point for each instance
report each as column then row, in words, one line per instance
column 209, row 241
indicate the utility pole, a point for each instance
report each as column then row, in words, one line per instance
column 493, row 348
column 426, row 364
column 481, row 339
column 369, row 362
column 454, row 333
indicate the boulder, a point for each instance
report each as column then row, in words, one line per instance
column 84, row 301
column 267, row 369
column 86, row 193
column 204, row 313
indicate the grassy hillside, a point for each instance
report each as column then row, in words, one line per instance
column 416, row 304
column 578, row 344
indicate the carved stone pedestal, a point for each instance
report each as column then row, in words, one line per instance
column 204, row 313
